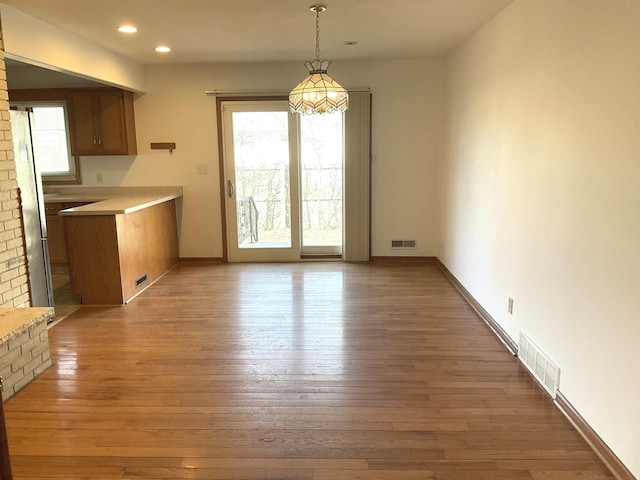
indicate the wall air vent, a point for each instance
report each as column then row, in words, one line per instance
column 141, row 280
column 540, row 365
column 403, row 244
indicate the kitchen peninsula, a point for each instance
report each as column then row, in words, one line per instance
column 119, row 240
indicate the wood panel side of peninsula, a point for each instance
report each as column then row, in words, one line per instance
column 113, row 258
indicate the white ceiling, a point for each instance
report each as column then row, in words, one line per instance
column 254, row 30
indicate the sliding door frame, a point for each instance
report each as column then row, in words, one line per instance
column 355, row 216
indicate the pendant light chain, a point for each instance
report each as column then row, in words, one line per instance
column 318, row 53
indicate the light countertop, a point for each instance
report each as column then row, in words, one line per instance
column 15, row 320
column 111, row 200
column 70, row 197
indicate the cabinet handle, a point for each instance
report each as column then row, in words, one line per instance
column 100, row 143
column 95, row 143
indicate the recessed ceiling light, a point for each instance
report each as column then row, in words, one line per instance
column 163, row 49
column 127, row 29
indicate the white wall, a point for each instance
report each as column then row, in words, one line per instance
column 407, row 110
column 540, row 190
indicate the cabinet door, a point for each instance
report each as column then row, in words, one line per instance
column 55, row 230
column 111, row 123
column 101, row 122
column 82, row 123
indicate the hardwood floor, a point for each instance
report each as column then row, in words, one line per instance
column 316, row 371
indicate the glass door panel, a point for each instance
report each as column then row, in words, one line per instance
column 321, row 160
column 261, row 154
column 260, row 151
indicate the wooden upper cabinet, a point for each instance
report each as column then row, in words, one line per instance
column 101, row 122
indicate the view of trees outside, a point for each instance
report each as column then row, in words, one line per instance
column 261, row 153
column 321, row 171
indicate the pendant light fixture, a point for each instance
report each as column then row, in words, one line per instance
column 318, row 93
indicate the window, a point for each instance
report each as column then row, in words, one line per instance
column 51, row 147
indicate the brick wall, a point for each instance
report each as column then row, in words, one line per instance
column 14, row 281
column 24, row 352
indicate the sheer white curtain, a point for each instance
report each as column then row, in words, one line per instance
column 357, row 178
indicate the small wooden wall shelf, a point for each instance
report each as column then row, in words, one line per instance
column 171, row 146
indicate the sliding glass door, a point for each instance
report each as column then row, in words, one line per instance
column 283, row 179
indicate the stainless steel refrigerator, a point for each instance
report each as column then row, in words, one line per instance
column 33, row 212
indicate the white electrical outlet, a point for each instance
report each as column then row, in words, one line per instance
column 99, row 177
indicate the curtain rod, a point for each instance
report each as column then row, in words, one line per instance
column 262, row 93
column 244, row 93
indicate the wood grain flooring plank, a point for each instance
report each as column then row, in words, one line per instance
column 309, row 371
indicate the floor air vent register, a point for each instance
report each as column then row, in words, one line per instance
column 540, row 365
